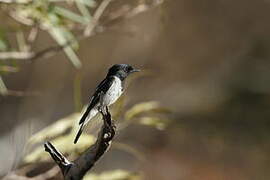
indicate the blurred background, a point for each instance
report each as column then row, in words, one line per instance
column 205, row 61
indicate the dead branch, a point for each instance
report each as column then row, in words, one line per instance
column 77, row 169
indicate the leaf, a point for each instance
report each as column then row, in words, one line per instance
column 114, row 175
column 70, row 15
column 61, row 35
column 90, row 3
column 3, row 88
column 73, row 57
column 83, row 9
column 22, row 46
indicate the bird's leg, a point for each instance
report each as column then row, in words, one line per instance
column 101, row 106
column 100, row 109
column 111, row 120
column 108, row 123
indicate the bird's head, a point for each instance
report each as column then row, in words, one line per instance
column 121, row 70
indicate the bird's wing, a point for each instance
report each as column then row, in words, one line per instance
column 101, row 88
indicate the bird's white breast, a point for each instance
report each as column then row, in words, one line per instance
column 114, row 92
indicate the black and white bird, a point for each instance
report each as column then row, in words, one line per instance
column 106, row 93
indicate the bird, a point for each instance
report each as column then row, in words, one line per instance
column 106, row 93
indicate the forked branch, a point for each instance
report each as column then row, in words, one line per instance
column 77, row 169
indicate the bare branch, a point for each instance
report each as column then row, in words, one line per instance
column 59, row 158
column 77, row 169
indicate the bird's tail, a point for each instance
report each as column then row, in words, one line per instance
column 89, row 114
column 79, row 133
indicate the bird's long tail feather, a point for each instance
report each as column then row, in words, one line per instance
column 79, row 133
column 86, row 113
column 81, row 123
column 87, row 116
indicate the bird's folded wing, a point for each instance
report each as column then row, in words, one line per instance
column 103, row 87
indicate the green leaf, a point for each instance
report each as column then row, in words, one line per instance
column 3, row 88
column 62, row 37
column 21, row 41
column 70, row 15
column 83, row 9
column 90, row 3
column 73, row 57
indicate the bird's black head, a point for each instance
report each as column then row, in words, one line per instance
column 121, row 70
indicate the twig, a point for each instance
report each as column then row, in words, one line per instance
column 126, row 12
column 45, row 53
column 90, row 27
column 77, row 169
column 59, row 159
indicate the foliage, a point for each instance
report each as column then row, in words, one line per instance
column 66, row 21
column 57, row 17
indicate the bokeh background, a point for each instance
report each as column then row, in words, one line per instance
column 208, row 63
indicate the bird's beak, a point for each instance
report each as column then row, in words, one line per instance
column 135, row 70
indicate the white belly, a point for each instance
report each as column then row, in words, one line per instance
column 113, row 93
